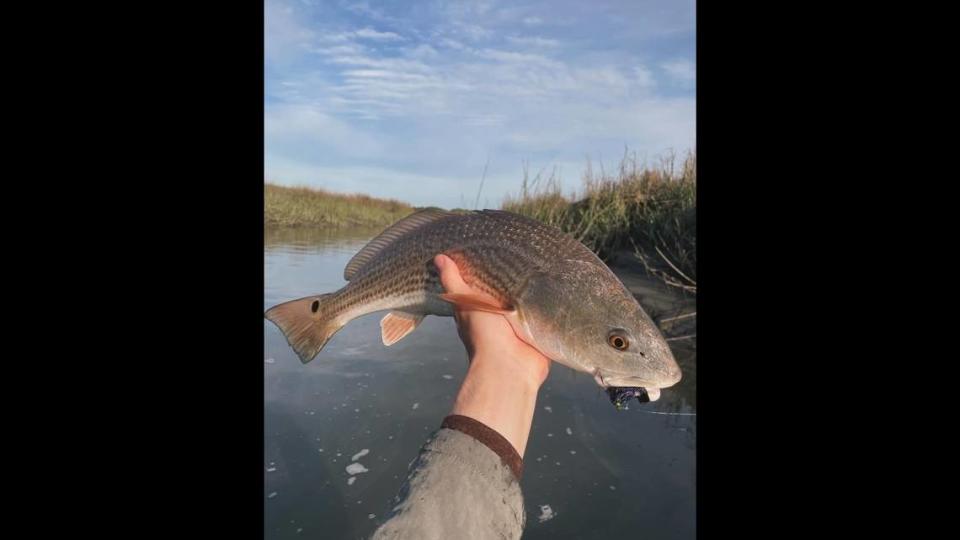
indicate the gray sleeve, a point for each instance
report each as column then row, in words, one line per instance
column 457, row 488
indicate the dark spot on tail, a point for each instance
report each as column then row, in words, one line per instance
column 315, row 306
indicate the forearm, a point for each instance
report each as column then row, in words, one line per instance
column 499, row 396
column 459, row 487
column 465, row 483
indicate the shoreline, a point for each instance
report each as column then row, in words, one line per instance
column 309, row 208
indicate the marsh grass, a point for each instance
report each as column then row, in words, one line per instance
column 650, row 210
column 306, row 207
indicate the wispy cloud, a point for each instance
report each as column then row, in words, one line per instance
column 285, row 35
column 451, row 43
column 533, row 41
column 364, row 9
column 681, row 70
column 643, row 76
column 514, row 57
column 363, row 33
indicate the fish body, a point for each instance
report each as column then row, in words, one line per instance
column 557, row 294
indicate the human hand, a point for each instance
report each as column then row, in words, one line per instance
column 505, row 373
column 489, row 336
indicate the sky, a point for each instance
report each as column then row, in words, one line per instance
column 420, row 101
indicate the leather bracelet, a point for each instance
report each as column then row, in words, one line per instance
column 489, row 438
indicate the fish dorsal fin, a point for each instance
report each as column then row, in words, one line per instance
column 390, row 235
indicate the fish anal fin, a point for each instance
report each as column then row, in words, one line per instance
column 397, row 324
column 477, row 302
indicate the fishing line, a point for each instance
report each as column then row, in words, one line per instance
column 601, row 392
column 669, row 413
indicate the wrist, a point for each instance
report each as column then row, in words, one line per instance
column 496, row 395
column 521, row 369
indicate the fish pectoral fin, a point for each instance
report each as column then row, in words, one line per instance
column 473, row 301
column 396, row 325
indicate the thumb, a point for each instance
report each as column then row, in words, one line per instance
column 450, row 275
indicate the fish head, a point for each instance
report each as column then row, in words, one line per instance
column 623, row 348
column 587, row 320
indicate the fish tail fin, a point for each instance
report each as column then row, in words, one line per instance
column 307, row 323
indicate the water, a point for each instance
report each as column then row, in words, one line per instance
column 589, row 470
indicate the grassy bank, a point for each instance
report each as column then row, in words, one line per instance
column 647, row 210
column 304, row 207
column 650, row 210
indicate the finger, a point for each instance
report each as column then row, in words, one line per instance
column 453, row 283
column 450, row 275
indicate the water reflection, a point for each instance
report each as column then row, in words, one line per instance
column 602, row 472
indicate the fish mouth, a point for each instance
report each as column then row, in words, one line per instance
column 619, row 395
column 622, row 389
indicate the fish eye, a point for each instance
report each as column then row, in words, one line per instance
column 618, row 340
